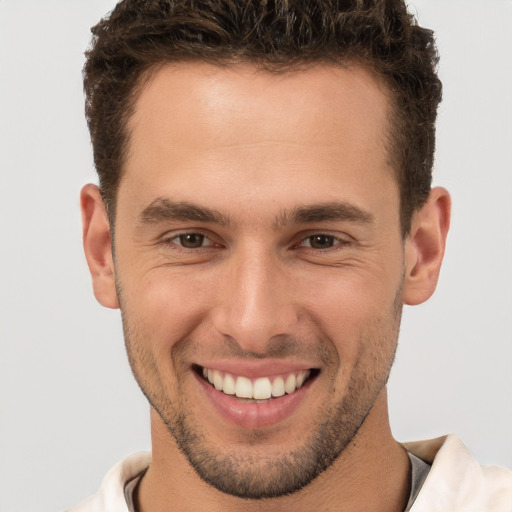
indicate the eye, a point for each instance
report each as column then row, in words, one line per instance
column 191, row 240
column 323, row 241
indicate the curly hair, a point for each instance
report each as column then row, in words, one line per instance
column 276, row 35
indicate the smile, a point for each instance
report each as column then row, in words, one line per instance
column 263, row 388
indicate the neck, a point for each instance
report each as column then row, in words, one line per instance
column 372, row 474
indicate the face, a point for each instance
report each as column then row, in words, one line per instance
column 259, row 266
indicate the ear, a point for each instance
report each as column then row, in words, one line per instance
column 424, row 247
column 97, row 246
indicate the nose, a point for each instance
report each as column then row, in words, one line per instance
column 255, row 301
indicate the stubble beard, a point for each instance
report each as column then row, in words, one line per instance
column 257, row 477
column 262, row 477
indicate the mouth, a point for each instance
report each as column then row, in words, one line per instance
column 259, row 390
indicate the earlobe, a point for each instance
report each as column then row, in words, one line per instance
column 97, row 246
column 424, row 247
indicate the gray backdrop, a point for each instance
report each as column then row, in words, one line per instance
column 69, row 407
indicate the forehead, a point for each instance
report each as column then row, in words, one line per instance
column 289, row 101
column 250, row 131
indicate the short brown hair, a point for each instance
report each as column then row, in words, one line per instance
column 277, row 35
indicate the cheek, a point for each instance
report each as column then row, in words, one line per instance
column 166, row 305
column 357, row 310
column 349, row 297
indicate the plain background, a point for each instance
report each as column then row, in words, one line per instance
column 69, row 407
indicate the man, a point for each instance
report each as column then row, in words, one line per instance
column 264, row 210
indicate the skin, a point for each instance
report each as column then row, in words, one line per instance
column 255, row 147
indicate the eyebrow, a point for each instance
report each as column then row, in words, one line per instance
column 339, row 211
column 164, row 209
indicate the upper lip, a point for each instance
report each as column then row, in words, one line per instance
column 256, row 368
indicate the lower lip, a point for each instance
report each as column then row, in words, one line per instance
column 253, row 415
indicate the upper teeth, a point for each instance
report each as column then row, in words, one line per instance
column 257, row 389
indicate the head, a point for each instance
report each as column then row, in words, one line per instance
column 266, row 167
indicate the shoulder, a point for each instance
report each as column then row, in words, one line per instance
column 111, row 497
column 457, row 481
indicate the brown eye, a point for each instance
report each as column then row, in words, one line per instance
column 191, row 240
column 321, row 241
